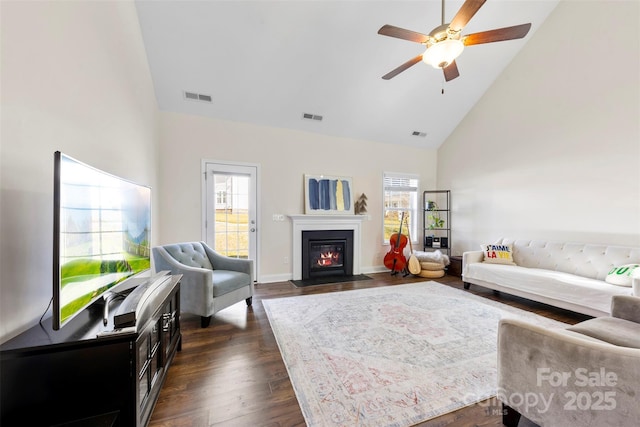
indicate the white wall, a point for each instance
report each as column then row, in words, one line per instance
column 284, row 157
column 552, row 151
column 75, row 79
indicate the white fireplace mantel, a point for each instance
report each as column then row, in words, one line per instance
column 324, row 222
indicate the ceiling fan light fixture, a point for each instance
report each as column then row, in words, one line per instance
column 443, row 53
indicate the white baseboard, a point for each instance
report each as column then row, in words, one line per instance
column 374, row 269
column 271, row 278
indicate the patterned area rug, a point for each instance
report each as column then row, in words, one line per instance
column 389, row 356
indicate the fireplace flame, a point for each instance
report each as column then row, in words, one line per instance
column 328, row 258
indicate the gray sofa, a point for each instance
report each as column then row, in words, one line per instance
column 566, row 275
column 587, row 374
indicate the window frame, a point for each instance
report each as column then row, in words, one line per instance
column 414, row 202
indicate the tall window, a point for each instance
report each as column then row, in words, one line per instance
column 400, row 195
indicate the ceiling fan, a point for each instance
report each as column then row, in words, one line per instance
column 445, row 42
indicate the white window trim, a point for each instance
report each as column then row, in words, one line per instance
column 414, row 213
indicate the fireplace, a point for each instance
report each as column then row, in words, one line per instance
column 327, row 253
column 303, row 223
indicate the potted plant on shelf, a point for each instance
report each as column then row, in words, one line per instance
column 434, row 220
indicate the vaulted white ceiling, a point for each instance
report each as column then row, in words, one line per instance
column 268, row 62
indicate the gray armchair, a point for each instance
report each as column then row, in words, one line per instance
column 210, row 281
column 587, row 374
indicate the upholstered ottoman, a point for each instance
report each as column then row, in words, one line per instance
column 432, row 264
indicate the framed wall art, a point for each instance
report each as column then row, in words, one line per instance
column 328, row 195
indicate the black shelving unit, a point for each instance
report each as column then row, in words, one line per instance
column 436, row 220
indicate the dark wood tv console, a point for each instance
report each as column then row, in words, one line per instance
column 78, row 376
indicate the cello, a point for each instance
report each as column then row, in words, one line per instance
column 394, row 260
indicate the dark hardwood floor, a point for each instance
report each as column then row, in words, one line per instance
column 232, row 374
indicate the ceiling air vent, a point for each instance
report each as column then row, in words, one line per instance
column 311, row 117
column 420, row 134
column 197, row 96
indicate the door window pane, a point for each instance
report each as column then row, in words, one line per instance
column 231, row 215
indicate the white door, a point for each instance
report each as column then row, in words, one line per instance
column 230, row 217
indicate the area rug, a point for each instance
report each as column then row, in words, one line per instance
column 389, row 356
column 329, row 279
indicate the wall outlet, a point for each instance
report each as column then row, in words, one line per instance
column 286, row 260
column 278, row 217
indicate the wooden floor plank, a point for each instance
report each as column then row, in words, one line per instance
column 232, row 373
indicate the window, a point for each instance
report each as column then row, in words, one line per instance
column 221, row 198
column 400, row 195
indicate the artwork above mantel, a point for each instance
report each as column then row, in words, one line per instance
column 328, row 195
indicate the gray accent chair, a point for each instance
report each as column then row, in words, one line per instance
column 587, row 374
column 210, row 281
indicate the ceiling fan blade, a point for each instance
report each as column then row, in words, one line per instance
column 497, row 35
column 409, row 63
column 401, row 33
column 451, row 71
column 464, row 15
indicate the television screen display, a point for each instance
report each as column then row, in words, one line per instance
column 101, row 238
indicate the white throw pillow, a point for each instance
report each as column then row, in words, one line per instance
column 621, row 275
column 498, row 253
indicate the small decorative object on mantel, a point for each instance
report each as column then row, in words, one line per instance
column 360, row 206
column 327, row 195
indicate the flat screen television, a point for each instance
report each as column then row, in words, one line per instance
column 101, row 236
